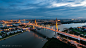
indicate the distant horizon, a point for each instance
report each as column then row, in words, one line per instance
column 41, row 19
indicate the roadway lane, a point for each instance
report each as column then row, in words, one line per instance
column 24, row 40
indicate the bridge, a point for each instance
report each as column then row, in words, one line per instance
column 57, row 31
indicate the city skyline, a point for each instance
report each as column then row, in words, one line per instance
column 42, row 9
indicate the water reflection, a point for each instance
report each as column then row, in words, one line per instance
column 37, row 36
column 28, row 30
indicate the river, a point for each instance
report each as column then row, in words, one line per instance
column 30, row 39
column 62, row 26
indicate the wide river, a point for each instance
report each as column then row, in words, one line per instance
column 30, row 39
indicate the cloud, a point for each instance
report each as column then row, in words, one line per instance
column 42, row 9
column 34, row 4
column 68, row 4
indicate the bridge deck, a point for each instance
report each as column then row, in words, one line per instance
column 66, row 34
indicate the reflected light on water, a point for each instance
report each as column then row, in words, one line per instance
column 28, row 30
column 35, row 35
column 44, row 29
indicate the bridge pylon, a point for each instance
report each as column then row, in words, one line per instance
column 29, row 21
column 11, row 20
column 19, row 21
column 35, row 22
column 56, row 25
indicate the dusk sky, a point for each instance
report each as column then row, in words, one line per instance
column 42, row 9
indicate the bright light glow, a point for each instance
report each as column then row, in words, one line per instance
column 58, row 20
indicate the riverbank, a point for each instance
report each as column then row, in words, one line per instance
column 55, row 43
column 11, row 36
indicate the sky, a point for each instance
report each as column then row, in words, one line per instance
column 42, row 9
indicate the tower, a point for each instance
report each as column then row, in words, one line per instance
column 35, row 22
column 56, row 24
column 29, row 21
column 19, row 21
column 11, row 20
